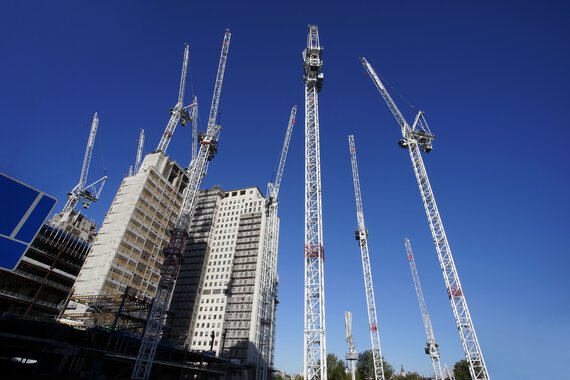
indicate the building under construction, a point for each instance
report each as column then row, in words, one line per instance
column 45, row 349
column 45, row 276
column 127, row 250
column 216, row 301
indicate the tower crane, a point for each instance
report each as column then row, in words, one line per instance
column 175, row 249
column 179, row 113
column 138, row 160
column 449, row 376
column 431, row 346
column 361, row 234
column 86, row 193
column 415, row 138
column 194, row 117
column 351, row 355
column 315, row 352
column 139, row 152
column 269, row 262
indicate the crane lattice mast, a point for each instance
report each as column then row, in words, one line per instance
column 139, row 152
column 351, row 355
column 449, row 376
column 194, row 118
column 178, row 113
column 174, row 250
column 86, row 193
column 431, row 346
column 268, row 281
column 362, row 236
column 416, row 138
column 315, row 361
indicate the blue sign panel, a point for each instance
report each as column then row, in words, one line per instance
column 23, row 210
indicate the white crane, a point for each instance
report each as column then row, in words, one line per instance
column 361, row 234
column 449, row 376
column 194, row 118
column 431, row 348
column 269, row 263
column 86, row 193
column 351, row 355
column 315, row 352
column 174, row 250
column 140, row 146
column 415, row 138
column 139, row 152
column 179, row 113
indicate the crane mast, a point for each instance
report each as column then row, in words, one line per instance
column 139, row 152
column 351, row 355
column 431, row 346
column 362, row 236
column 174, row 250
column 449, row 377
column 269, row 262
column 416, row 138
column 315, row 361
column 194, row 118
column 82, row 191
column 178, row 112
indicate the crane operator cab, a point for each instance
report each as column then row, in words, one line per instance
column 422, row 138
column 184, row 117
column 360, row 236
column 213, row 143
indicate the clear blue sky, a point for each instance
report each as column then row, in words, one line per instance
column 492, row 77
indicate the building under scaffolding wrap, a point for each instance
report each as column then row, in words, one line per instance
column 127, row 249
column 44, row 277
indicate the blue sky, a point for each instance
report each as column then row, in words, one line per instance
column 492, row 78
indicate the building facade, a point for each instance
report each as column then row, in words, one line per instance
column 127, row 249
column 43, row 279
column 216, row 301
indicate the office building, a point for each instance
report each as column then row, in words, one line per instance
column 216, row 301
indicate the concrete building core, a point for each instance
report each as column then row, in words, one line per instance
column 127, row 249
column 76, row 224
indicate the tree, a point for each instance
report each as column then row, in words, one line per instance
column 409, row 376
column 461, row 370
column 365, row 367
column 336, row 369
